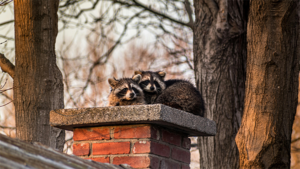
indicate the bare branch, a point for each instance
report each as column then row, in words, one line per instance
column 5, row 37
column 3, row 42
column 107, row 54
column 7, row 66
column 6, row 103
column 6, row 96
column 69, row 2
column 189, row 11
column 5, row 2
column 81, row 11
column 149, row 9
column 6, row 127
column 7, row 22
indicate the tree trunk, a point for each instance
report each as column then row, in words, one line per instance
column 38, row 86
column 264, row 138
column 220, row 60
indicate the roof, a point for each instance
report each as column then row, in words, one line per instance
column 16, row 154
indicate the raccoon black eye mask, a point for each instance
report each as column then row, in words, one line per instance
column 125, row 91
column 137, row 92
column 145, row 83
column 152, row 84
column 122, row 92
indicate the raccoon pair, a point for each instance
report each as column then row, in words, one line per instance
column 149, row 87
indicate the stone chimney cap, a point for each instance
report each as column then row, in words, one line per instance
column 161, row 115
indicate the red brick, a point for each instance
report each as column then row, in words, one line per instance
column 185, row 166
column 151, row 147
column 168, row 164
column 155, row 162
column 160, row 149
column 81, row 149
column 141, row 147
column 155, row 133
column 186, row 143
column 171, row 137
column 99, row 159
column 133, row 132
column 133, row 161
column 181, row 155
column 91, row 134
column 111, row 148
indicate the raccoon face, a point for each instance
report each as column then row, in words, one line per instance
column 127, row 92
column 152, row 82
column 126, row 88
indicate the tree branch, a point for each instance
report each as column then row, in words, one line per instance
column 81, row 11
column 69, row 2
column 7, row 22
column 6, row 127
column 7, row 66
column 107, row 54
column 138, row 4
column 189, row 11
column 7, row 38
column 6, row 96
column 5, row 2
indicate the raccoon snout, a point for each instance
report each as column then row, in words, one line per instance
column 152, row 88
column 131, row 95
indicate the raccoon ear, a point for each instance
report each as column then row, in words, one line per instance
column 137, row 72
column 137, row 78
column 112, row 82
column 162, row 74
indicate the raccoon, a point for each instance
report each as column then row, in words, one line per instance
column 125, row 91
column 176, row 93
column 182, row 94
column 152, row 84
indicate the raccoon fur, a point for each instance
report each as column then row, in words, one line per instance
column 125, row 91
column 182, row 94
column 152, row 84
column 176, row 93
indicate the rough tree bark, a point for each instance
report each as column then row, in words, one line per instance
column 220, row 60
column 38, row 86
column 264, row 138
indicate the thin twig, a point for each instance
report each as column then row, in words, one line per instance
column 5, row 2
column 3, row 42
column 7, row 22
column 6, row 103
column 149, row 9
column 6, row 127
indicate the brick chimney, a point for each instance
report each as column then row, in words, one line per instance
column 146, row 136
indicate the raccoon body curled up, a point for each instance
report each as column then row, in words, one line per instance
column 125, row 91
column 176, row 93
column 182, row 94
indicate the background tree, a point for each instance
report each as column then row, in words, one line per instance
column 220, row 71
column 295, row 142
column 264, row 138
column 38, row 86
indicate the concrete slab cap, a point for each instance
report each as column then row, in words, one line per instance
column 158, row 114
